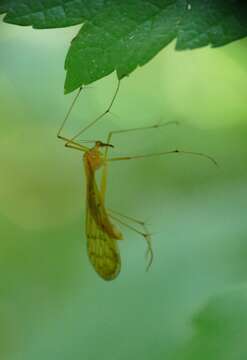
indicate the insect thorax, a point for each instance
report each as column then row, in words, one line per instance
column 94, row 158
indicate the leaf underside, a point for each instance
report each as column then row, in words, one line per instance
column 119, row 35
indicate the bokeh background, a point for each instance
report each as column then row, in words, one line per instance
column 192, row 303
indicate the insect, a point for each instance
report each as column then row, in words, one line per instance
column 101, row 232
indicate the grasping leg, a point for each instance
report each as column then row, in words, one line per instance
column 104, row 176
column 145, row 233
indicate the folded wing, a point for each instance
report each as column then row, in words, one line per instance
column 102, row 250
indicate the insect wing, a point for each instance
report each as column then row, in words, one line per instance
column 102, row 250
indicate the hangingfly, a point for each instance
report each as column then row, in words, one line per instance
column 102, row 235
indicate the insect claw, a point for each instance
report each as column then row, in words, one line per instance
column 149, row 252
column 150, row 260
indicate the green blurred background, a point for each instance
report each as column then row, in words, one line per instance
column 52, row 303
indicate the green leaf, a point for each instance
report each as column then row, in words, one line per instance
column 220, row 329
column 212, row 22
column 119, row 35
column 126, row 35
column 45, row 14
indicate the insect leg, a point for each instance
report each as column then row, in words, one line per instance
column 145, row 233
column 108, row 141
column 155, row 126
column 175, row 151
column 140, row 222
column 101, row 115
column 72, row 140
column 76, row 146
column 67, row 115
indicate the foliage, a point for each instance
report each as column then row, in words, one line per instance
column 192, row 303
column 119, row 35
